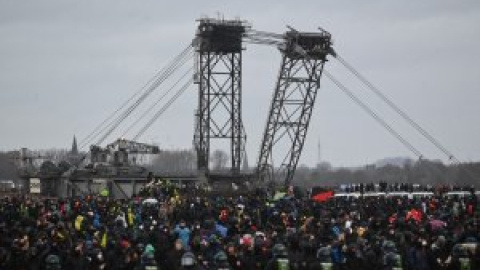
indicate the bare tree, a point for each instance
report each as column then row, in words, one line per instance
column 174, row 161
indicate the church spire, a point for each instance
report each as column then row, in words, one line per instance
column 74, row 150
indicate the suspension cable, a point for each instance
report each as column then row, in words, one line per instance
column 380, row 120
column 397, row 109
column 405, row 116
column 100, row 128
column 164, row 108
column 156, row 102
column 154, row 85
column 142, row 98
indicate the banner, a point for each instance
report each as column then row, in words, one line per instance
column 35, row 185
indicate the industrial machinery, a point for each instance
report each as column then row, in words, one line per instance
column 218, row 47
column 303, row 57
column 217, row 50
column 38, row 173
column 113, row 169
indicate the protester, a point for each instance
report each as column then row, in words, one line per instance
column 185, row 229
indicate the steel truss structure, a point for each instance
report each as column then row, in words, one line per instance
column 219, row 66
column 304, row 55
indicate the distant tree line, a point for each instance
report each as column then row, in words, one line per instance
column 174, row 161
column 8, row 169
column 47, row 159
column 177, row 161
column 420, row 172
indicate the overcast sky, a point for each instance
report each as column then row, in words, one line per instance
column 66, row 65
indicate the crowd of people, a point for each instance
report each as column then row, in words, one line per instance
column 402, row 187
column 170, row 229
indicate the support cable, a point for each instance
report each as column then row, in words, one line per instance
column 101, row 127
column 156, row 102
column 399, row 111
column 155, row 84
column 380, row 120
column 142, row 98
column 405, row 116
column 163, row 108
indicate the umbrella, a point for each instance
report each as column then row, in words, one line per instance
column 222, row 230
column 437, row 224
column 278, row 196
column 104, row 193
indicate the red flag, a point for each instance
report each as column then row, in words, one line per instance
column 415, row 215
column 323, row 196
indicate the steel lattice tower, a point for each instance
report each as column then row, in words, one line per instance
column 304, row 56
column 219, row 69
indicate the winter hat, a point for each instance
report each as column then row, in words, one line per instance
column 149, row 249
